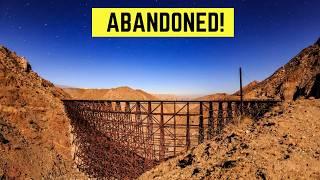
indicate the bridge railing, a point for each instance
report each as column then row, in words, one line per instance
column 147, row 131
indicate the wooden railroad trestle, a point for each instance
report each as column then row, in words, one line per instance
column 122, row 139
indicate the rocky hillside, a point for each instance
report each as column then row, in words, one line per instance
column 299, row 77
column 283, row 145
column 120, row 93
column 34, row 130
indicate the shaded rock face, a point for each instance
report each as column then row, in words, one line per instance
column 298, row 78
column 34, row 130
column 315, row 90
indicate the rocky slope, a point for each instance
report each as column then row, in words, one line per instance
column 120, row 93
column 299, row 77
column 34, row 130
column 283, row 145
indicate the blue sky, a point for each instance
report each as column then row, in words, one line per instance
column 55, row 36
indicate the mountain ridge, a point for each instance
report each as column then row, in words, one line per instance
column 119, row 93
column 300, row 77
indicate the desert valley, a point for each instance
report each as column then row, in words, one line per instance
column 36, row 134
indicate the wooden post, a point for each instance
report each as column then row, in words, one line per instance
column 128, row 124
column 188, row 128
column 210, row 121
column 201, row 130
column 241, row 92
column 175, row 131
column 229, row 112
column 150, row 129
column 220, row 117
column 162, row 140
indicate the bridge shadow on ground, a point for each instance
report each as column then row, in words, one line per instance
column 98, row 155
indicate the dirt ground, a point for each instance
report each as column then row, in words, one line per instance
column 283, row 145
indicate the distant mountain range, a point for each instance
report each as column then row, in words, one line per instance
column 120, row 93
column 299, row 77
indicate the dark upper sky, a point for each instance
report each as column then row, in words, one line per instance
column 55, row 36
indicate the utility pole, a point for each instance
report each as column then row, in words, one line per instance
column 241, row 92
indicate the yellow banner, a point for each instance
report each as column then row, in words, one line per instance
column 162, row 22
